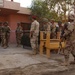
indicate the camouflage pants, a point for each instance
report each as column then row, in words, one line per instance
column 70, row 48
column 34, row 43
column 18, row 39
column 5, row 39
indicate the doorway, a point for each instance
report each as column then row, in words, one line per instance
column 25, row 41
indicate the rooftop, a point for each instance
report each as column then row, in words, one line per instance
column 13, row 6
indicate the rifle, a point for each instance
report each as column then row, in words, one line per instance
column 67, row 35
column 64, row 38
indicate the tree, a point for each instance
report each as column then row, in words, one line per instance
column 41, row 9
column 63, row 6
column 45, row 8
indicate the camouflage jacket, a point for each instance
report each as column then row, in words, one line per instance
column 19, row 30
column 35, row 28
column 69, row 33
column 46, row 27
column 5, row 29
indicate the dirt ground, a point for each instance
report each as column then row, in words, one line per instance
column 38, row 69
column 18, row 61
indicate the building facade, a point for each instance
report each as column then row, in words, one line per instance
column 12, row 12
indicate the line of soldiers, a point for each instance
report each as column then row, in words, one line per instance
column 5, row 34
column 67, row 33
column 52, row 27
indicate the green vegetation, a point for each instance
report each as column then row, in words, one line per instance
column 51, row 9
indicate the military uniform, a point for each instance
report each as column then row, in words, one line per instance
column 54, row 30
column 46, row 26
column 61, row 28
column 0, row 32
column 5, row 35
column 19, row 33
column 2, row 36
column 70, row 42
column 34, row 33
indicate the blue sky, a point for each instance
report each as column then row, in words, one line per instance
column 24, row 3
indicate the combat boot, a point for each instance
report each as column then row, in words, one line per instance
column 73, row 62
column 17, row 46
column 2, row 45
column 34, row 52
column 5, row 47
column 66, row 62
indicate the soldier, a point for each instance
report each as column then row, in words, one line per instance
column 0, row 31
column 34, row 33
column 61, row 28
column 69, row 35
column 54, row 30
column 19, row 33
column 5, row 35
column 46, row 25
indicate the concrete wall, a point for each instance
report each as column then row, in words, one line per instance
column 11, row 5
column 4, row 18
column 16, row 6
column 13, row 24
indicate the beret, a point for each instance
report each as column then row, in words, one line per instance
column 34, row 17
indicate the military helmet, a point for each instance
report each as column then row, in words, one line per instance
column 52, row 20
column 5, row 23
column 19, row 24
column 45, row 20
column 71, row 16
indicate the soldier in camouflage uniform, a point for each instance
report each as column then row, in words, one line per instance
column 61, row 28
column 0, row 32
column 34, row 33
column 46, row 25
column 5, row 34
column 54, row 29
column 69, row 34
column 2, row 36
column 19, row 33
